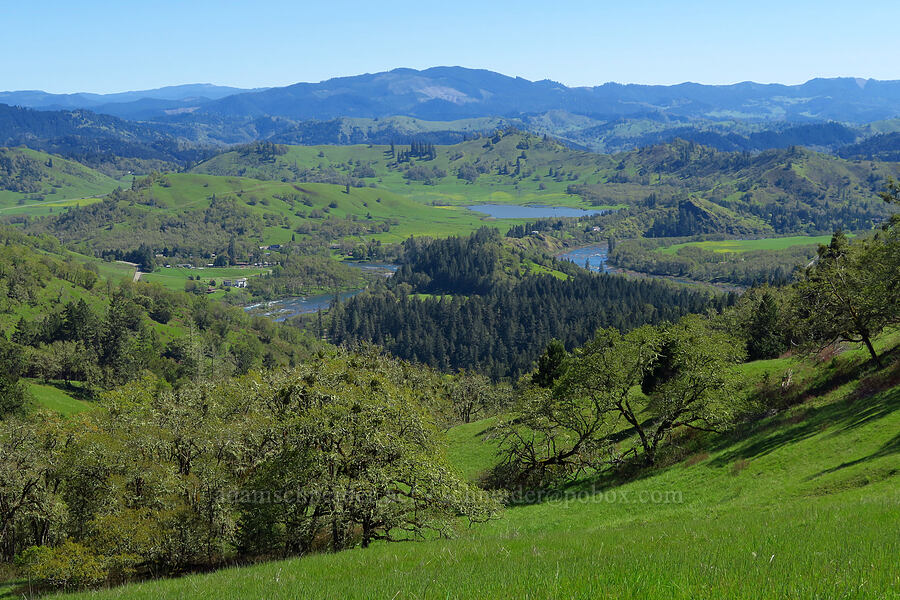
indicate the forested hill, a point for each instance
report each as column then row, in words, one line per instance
column 95, row 140
column 471, row 304
column 80, row 323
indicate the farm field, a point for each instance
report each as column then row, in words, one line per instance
column 174, row 278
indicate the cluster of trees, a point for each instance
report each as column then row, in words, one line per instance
column 497, row 320
column 852, row 292
column 60, row 325
column 754, row 267
column 107, row 229
column 618, row 399
column 417, row 149
column 470, row 172
column 264, row 151
column 456, row 265
column 685, row 217
column 299, row 275
column 578, row 228
column 339, row 452
column 424, row 173
column 19, row 173
column 327, row 229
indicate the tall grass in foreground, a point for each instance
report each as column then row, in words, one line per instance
column 806, row 505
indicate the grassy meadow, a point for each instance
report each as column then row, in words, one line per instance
column 188, row 192
column 775, row 243
column 803, row 504
column 57, row 399
column 174, row 278
column 62, row 183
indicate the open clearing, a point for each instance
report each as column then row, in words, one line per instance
column 779, row 243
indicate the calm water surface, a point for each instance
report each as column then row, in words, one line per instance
column 593, row 256
column 512, row 211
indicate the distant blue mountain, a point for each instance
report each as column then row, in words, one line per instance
column 449, row 93
column 452, row 93
column 130, row 105
column 170, row 123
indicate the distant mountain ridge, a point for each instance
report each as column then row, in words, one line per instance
column 445, row 105
column 129, row 105
column 452, row 93
column 448, row 93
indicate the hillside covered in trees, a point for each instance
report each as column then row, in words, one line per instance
column 70, row 322
column 468, row 303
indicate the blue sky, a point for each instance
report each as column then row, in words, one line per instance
column 99, row 46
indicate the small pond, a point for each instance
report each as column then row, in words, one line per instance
column 512, row 211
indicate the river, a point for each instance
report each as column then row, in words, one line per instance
column 597, row 255
column 280, row 310
column 594, row 257
column 286, row 308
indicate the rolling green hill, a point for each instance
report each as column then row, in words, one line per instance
column 190, row 214
column 781, row 191
column 801, row 504
column 37, row 183
column 73, row 326
column 265, row 194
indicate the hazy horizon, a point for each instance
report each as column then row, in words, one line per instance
column 262, row 87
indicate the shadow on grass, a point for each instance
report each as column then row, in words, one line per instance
column 14, row 589
column 892, row 446
column 875, row 396
column 859, row 408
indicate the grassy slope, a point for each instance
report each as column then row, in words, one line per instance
column 192, row 192
column 711, row 179
column 56, row 398
column 488, row 188
column 66, row 183
column 802, row 505
column 778, row 243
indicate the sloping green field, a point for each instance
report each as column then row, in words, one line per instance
column 804, row 504
column 490, row 187
column 778, row 243
column 188, row 192
column 50, row 184
column 53, row 398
